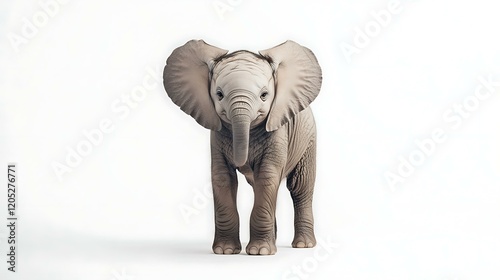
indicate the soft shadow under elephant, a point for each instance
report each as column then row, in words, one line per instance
column 257, row 108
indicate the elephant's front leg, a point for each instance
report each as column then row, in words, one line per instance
column 262, row 219
column 227, row 225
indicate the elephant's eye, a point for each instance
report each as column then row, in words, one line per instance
column 263, row 95
column 219, row 94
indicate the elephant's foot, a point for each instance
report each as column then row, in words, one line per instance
column 261, row 247
column 304, row 239
column 226, row 246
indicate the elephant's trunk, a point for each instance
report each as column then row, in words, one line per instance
column 241, row 119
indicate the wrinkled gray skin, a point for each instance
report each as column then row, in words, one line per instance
column 257, row 108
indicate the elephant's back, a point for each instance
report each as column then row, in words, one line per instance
column 301, row 134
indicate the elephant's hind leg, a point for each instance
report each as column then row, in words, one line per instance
column 300, row 182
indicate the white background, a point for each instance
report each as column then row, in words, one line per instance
column 117, row 215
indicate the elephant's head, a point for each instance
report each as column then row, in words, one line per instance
column 242, row 89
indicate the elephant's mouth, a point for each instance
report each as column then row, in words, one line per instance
column 258, row 120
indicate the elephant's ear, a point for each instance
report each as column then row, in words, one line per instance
column 297, row 79
column 186, row 80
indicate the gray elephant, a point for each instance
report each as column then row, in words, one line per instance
column 256, row 106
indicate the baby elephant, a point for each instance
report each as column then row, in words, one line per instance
column 256, row 106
